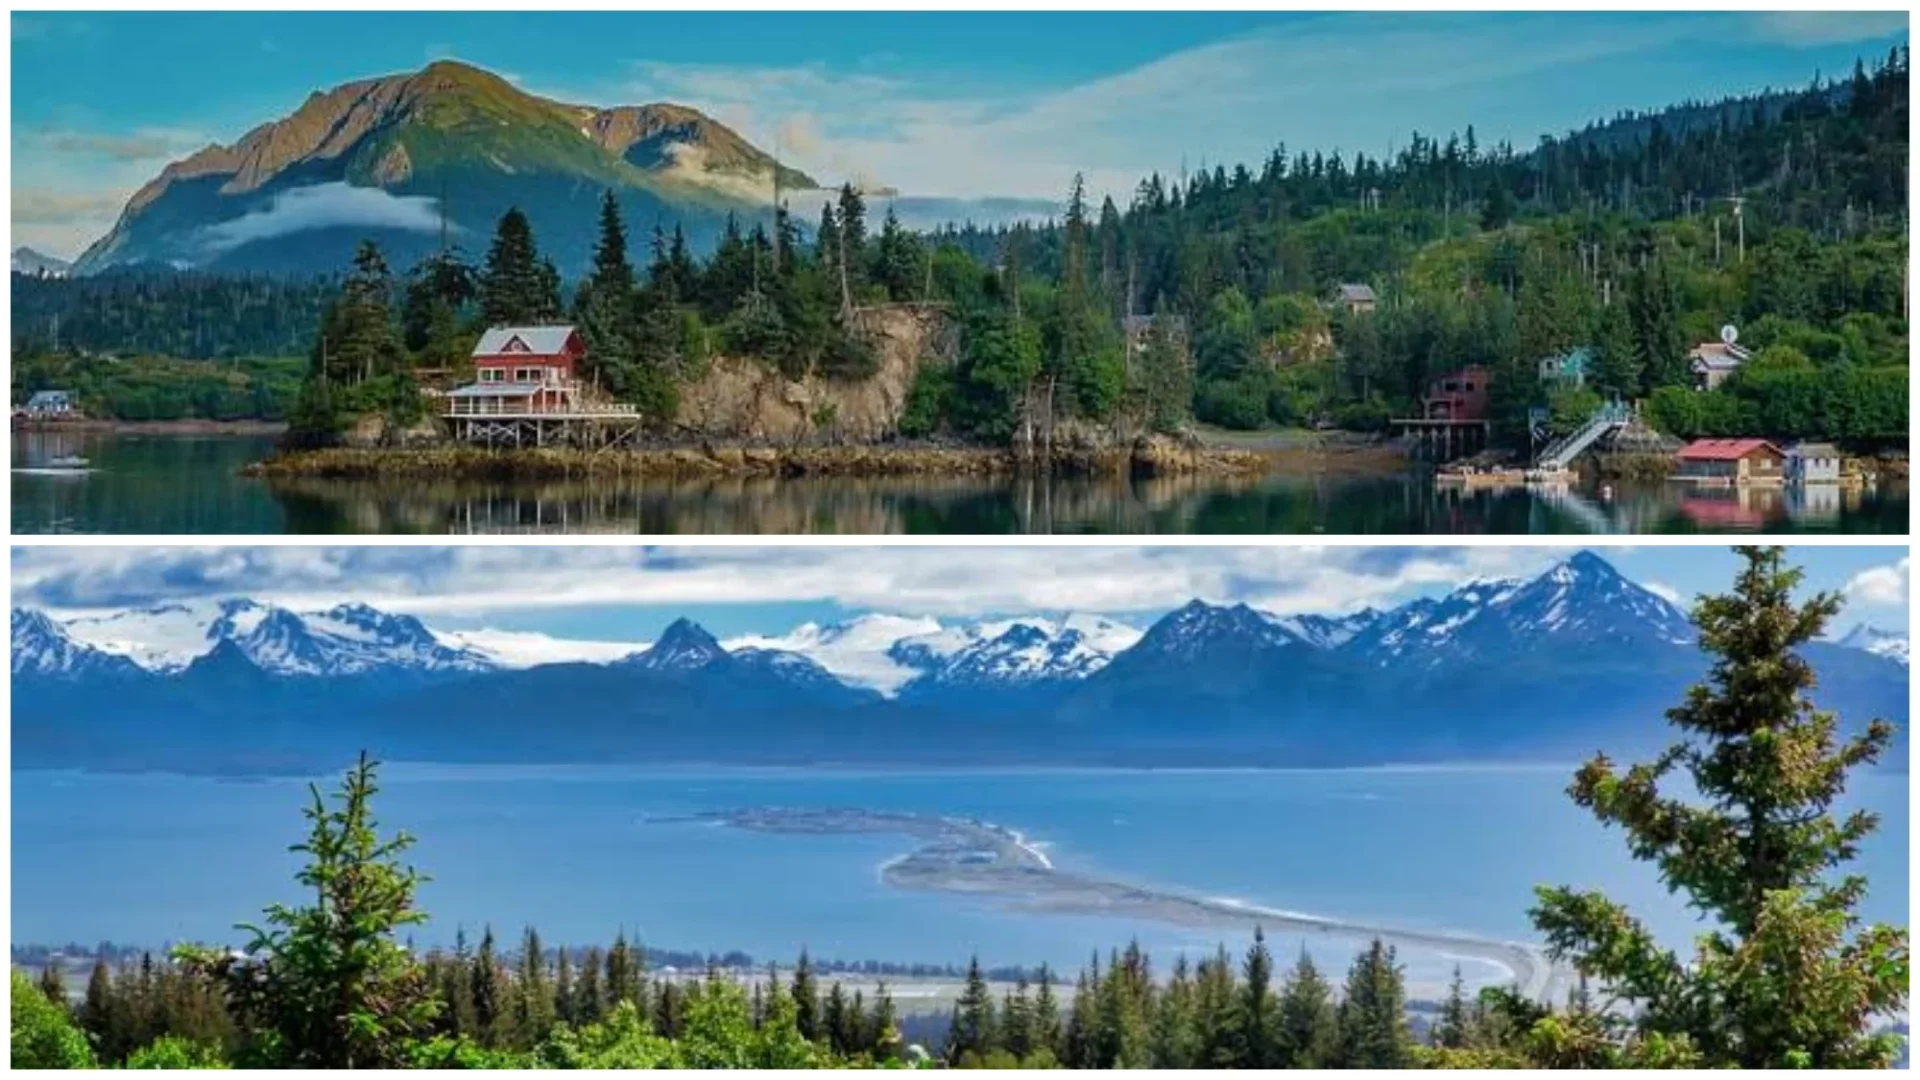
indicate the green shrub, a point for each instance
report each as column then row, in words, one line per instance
column 44, row 1035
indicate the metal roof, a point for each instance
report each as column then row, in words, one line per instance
column 503, row 389
column 1723, row 449
column 49, row 397
column 1357, row 292
column 539, row 340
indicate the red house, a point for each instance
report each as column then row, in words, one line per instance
column 522, row 369
column 1457, row 395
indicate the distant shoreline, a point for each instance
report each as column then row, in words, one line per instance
column 194, row 426
column 978, row 858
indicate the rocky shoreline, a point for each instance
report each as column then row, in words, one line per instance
column 1146, row 456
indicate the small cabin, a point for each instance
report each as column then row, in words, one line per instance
column 50, row 403
column 1568, row 370
column 1732, row 461
column 522, row 369
column 1713, row 362
column 1813, row 463
column 1457, row 396
column 1357, row 297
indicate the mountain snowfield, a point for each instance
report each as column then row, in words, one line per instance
column 1888, row 643
column 1580, row 600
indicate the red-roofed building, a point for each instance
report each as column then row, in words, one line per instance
column 1732, row 461
column 522, row 370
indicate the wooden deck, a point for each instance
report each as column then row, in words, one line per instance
column 590, row 427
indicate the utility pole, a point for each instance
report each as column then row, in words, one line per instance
column 1740, row 222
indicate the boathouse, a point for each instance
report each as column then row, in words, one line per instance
column 1813, row 463
column 1453, row 416
column 1732, row 461
column 48, row 404
column 1457, row 396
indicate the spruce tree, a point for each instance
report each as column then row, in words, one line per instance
column 97, row 1013
column 1450, row 1031
column 565, row 1007
column 1371, row 1021
column 1788, row 978
column 1306, row 1017
column 511, row 285
column 1046, row 1015
column 884, row 1031
column 972, row 1032
column 535, row 991
column 1259, row 1019
column 590, row 1001
column 806, row 998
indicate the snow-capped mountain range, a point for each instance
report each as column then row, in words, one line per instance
column 1582, row 600
column 1888, row 643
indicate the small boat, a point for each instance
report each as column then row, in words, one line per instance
column 67, row 461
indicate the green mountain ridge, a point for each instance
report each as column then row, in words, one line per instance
column 452, row 139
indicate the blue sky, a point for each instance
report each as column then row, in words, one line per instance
column 618, row 593
column 957, row 104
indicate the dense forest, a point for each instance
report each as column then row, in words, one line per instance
column 1208, row 297
column 1786, row 976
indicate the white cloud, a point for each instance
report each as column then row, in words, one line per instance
column 1662, row 590
column 930, row 581
column 1880, row 586
column 1808, row 29
column 321, row 206
column 943, row 133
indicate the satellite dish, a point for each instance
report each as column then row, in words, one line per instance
column 1729, row 334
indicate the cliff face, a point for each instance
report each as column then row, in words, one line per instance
column 748, row 400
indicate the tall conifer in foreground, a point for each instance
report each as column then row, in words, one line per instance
column 1790, row 978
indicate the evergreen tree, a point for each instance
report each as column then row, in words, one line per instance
column 53, row 985
column 358, row 340
column 1046, row 1015
column 884, row 1032
column 535, row 991
column 565, row 1008
column 1789, row 978
column 1307, row 1028
column 590, row 1001
column 332, row 985
column 973, row 1028
column 1656, row 329
column 1450, row 1032
column 1371, row 1021
column 1217, row 1015
column 833, row 1020
column 1616, row 362
column 806, row 999
column 1259, row 1015
column 512, row 285
column 491, row 1013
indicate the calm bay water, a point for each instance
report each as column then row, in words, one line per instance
column 191, row 484
column 575, row 850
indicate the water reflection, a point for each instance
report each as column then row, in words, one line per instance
column 191, row 484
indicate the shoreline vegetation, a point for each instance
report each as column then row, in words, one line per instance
column 977, row 858
column 1151, row 456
